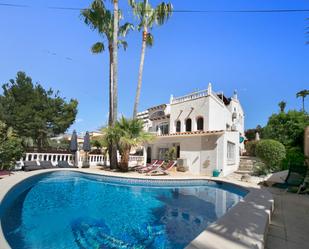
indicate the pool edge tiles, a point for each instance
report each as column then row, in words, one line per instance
column 133, row 181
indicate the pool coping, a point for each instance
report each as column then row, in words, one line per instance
column 244, row 226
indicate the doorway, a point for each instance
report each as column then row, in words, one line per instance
column 148, row 160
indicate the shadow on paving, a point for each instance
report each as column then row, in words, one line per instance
column 289, row 226
column 244, row 226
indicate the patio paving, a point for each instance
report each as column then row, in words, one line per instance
column 289, row 228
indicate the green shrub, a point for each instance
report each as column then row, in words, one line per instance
column 171, row 154
column 251, row 147
column 11, row 149
column 294, row 156
column 259, row 168
column 272, row 153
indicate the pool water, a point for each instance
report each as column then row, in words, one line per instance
column 70, row 210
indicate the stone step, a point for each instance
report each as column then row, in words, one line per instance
column 243, row 172
column 246, row 164
column 245, row 168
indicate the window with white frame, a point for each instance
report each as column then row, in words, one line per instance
column 231, row 151
column 162, row 153
column 164, row 127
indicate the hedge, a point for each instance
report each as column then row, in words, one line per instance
column 272, row 153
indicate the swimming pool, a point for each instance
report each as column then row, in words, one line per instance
column 71, row 210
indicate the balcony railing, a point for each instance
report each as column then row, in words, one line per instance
column 93, row 159
column 191, row 96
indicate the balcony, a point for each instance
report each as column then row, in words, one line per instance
column 189, row 97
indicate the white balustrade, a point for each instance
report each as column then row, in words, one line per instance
column 136, row 160
column 93, row 159
column 191, row 96
column 53, row 157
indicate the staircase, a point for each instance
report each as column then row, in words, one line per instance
column 246, row 165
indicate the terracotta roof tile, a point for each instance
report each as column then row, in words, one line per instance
column 191, row 133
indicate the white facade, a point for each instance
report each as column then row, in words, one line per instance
column 204, row 126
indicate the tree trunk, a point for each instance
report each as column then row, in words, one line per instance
column 115, row 62
column 140, row 74
column 124, row 163
column 114, row 87
column 110, row 116
column 303, row 104
column 112, row 148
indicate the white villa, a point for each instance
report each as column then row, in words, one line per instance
column 205, row 127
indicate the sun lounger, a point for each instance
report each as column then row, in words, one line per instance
column 163, row 170
column 295, row 178
column 157, row 165
column 31, row 165
column 143, row 167
column 65, row 165
column 4, row 173
column 47, row 165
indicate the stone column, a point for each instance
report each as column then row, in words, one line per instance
column 145, row 154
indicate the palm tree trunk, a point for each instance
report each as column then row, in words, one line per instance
column 140, row 74
column 115, row 62
column 110, row 116
column 303, row 103
column 114, row 86
column 112, row 149
column 124, row 164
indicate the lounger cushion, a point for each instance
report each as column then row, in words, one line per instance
column 47, row 165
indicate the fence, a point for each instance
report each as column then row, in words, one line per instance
column 93, row 159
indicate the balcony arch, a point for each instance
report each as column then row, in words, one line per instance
column 188, row 124
column 178, row 126
column 200, row 123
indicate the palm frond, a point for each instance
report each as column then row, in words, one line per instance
column 125, row 28
column 132, row 133
column 149, row 40
column 163, row 12
column 123, row 44
column 303, row 93
column 148, row 16
column 97, row 48
column 98, row 18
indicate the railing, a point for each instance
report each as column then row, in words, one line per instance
column 136, row 160
column 40, row 156
column 93, row 159
column 191, row 96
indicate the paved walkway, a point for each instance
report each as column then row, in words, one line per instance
column 289, row 228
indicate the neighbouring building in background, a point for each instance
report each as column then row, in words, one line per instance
column 80, row 137
column 206, row 129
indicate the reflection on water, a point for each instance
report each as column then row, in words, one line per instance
column 70, row 211
column 191, row 210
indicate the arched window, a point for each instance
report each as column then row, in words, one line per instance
column 178, row 126
column 164, row 128
column 189, row 124
column 200, row 124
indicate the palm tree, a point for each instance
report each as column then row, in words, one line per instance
column 282, row 105
column 303, row 94
column 126, row 133
column 147, row 16
column 115, row 60
column 98, row 18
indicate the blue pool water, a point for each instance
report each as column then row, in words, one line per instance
column 70, row 210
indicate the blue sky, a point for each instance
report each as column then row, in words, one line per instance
column 262, row 55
